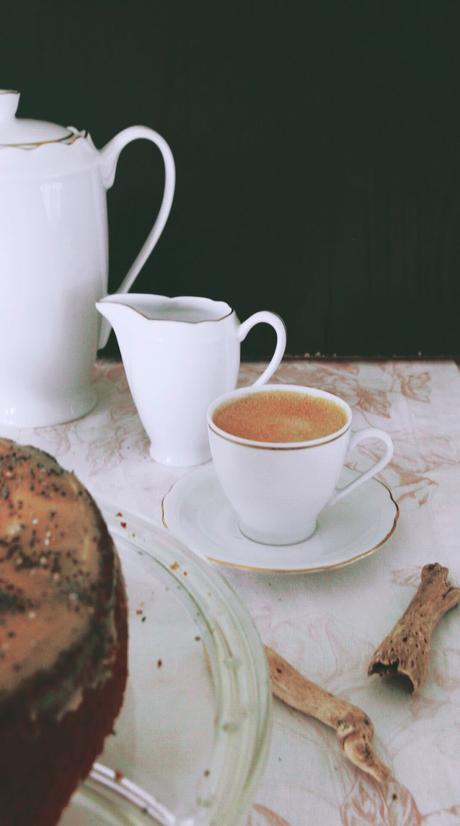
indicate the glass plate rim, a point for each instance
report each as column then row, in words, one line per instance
column 245, row 675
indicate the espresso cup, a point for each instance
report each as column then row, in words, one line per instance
column 179, row 354
column 278, row 488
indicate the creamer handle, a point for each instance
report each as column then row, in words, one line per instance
column 109, row 159
column 265, row 317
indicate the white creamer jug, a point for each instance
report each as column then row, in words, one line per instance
column 179, row 354
column 54, row 261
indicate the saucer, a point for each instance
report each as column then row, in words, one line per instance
column 196, row 511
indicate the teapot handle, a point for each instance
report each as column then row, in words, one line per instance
column 109, row 159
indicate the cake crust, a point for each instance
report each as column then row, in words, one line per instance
column 63, row 635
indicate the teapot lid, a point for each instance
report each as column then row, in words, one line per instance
column 21, row 132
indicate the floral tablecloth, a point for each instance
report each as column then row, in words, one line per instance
column 328, row 624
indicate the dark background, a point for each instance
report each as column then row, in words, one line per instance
column 317, row 149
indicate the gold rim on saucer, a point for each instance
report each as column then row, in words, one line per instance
column 315, row 570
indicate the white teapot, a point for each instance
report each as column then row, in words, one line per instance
column 54, row 261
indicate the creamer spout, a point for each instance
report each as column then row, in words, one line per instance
column 119, row 315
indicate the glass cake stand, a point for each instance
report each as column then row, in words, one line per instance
column 192, row 736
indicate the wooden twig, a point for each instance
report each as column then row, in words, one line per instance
column 405, row 651
column 353, row 727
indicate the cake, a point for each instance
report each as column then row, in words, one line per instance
column 63, row 635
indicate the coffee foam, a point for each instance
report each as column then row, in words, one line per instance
column 280, row 416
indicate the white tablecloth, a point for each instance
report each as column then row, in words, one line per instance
column 328, row 624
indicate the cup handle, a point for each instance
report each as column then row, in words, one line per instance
column 361, row 436
column 264, row 317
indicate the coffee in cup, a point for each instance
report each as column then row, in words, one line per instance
column 278, row 452
column 280, row 416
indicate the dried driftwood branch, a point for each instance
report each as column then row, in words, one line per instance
column 353, row 727
column 405, row 651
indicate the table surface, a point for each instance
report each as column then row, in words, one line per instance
column 328, row 624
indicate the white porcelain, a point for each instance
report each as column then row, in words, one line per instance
column 197, row 512
column 278, row 489
column 54, row 261
column 180, row 354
